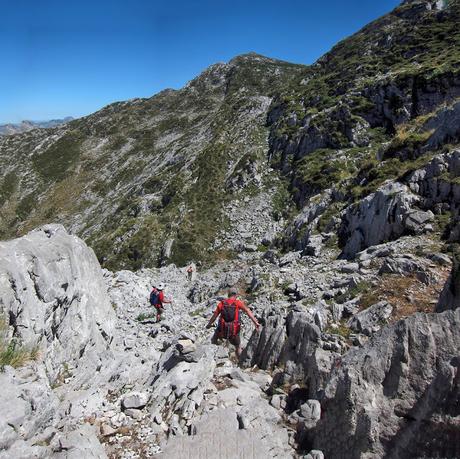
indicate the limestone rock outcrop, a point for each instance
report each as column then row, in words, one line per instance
column 397, row 396
column 54, row 296
column 450, row 296
column 381, row 216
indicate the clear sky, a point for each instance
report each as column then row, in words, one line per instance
column 72, row 57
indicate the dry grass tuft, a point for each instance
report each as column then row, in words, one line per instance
column 12, row 353
column 406, row 294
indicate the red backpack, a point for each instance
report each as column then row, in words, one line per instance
column 229, row 324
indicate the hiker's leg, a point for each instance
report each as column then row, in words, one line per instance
column 236, row 341
column 215, row 338
column 238, row 351
column 159, row 312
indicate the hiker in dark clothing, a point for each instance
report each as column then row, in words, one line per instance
column 157, row 299
column 228, row 327
column 190, row 273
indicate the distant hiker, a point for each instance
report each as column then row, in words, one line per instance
column 190, row 273
column 157, row 299
column 228, row 327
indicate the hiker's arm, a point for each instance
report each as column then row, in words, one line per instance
column 213, row 318
column 163, row 299
column 251, row 316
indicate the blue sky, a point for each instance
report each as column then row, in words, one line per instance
column 73, row 57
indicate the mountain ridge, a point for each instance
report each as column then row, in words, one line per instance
column 27, row 125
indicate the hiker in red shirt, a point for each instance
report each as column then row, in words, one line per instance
column 228, row 328
column 157, row 299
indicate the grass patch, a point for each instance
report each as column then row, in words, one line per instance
column 442, row 222
column 12, row 353
column 204, row 202
column 374, row 172
column 319, row 170
column 341, row 329
column 197, row 312
column 407, row 294
column 363, row 288
column 146, row 315
column 407, row 143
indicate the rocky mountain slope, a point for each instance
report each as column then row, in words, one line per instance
column 329, row 195
column 141, row 173
column 147, row 180
column 23, row 126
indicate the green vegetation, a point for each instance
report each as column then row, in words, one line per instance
column 374, row 172
column 57, row 161
column 320, row 170
column 423, row 45
column 365, row 77
column 205, row 202
column 138, row 247
column 332, row 211
column 363, row 289
column 173, row 123
column 8, row 185
column 442, row 222
column 26, row 205
column 145, row 316
column 282, row 205
column 197, row 312
column 407, row 144
column 342, row 330
column 11, row 352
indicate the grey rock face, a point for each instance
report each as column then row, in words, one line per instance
column 406, row 375
column 180, row 381
column 294, row 343
column 379, row 217
column 446, row 127
column 407, row 264
column 79, row 443
column 272, row 337
column 315, row 454
column 27, row 406
column 52, row 288
column 313, row 246
column 299, row 235
column 311, row 413
column 134, row 400
column 416, row 222
column 450, row 296
column 371, row 319
column 437, row 184
column 218, row 435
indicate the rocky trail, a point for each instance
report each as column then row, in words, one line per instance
column 151, row 381
column 234, row 417
column 110, row 382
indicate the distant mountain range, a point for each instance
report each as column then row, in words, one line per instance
column 23, row 126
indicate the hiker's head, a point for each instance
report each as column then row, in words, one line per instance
column 161, row 286
column 232, row 292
